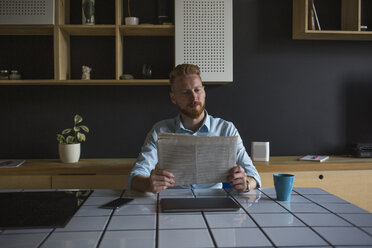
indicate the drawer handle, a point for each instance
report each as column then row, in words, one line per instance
column 321, row 177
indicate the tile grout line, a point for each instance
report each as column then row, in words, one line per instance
column 157, row 221
column 45, row 239
column 107, row 224
column 360, row 228
column 290, row 211
column 206, row 223
column 250, row 216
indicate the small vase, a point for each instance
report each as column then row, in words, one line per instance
column 69, row 153
column 88, row 12
column 146, row 71
column 131, row 20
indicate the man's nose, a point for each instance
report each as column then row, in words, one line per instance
column 194, row 95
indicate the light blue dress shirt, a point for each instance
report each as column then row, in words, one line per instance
column 148, row 158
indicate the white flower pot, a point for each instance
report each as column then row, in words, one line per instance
column 69, row 153
column 131, row 20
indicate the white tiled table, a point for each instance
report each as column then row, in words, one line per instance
column 313, row 218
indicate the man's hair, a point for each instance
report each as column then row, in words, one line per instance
column 183, row 70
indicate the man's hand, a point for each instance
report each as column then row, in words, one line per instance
column 237, row 178
column 160, row 180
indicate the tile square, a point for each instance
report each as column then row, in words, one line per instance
column 368, row 230
column 92, row 211
column 293, row 236
column 298, row 207
column 345, row 208
column 29, row 240
column 277, row 220
column 132, row 222
column 310, row 191
column 264, row 208
column 176, row 221
column 322, row 220
column 272, row 192
column 131, row 209
column 229, row 220
column 107, row 192
column 98, row 200
column 209, row 192
column 364, row 220
column 344, row 235
column 134, row 238
column 85, row 224
column 72, row 239
column 240, row 237
column 257, row 199
column 326, row 198
column 185, row 238
column 144, row 200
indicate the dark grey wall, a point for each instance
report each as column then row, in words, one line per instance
column 303, row 96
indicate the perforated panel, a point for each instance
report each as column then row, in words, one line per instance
column 26, row 11
column 204, row 37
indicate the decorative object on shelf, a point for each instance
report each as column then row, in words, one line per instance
column 14, row 75
column 69, row 147
column 364, row 28
column 313, row 21
column 164, row 12
column 146, row 71
column 88, row 12
column 127, row 77
column 130, row 20
column 86, row 72
column 4, row 74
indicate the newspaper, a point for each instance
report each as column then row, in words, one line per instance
column 197, row 159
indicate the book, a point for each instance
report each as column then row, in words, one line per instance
column 11, row 163
column 316, row 158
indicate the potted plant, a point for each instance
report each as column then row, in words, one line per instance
column 69, row 141
column 130, row 20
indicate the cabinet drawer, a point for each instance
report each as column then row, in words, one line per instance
column 89, row 181
column 351, row 185
column 25, row 182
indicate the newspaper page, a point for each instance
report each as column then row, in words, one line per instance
column 197, row 159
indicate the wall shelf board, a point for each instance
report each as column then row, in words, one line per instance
column 133, row 82
column 89, row 30
column 147, row 30
column 26, row 29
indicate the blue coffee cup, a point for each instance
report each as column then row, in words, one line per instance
column 283, row 186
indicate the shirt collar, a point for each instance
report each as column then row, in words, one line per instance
column 203, row 128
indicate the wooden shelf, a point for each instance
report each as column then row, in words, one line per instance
column 89, row 30
column 147, row 30
column 350, row 23
column 133, row 82
column 26, row 29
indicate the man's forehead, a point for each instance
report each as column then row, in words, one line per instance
column 188, row 82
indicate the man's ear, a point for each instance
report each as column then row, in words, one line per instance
column 171, row 95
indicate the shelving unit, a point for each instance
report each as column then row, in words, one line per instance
column 62, row 30
column 350, row 23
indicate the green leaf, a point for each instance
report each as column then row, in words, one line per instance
column 80, row 137
column 78, row 119
column 70, row 140
column 66, row 131
column 85, row 128
column 76, row 129
column 61, row 138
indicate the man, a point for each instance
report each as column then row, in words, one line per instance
column 187, row 92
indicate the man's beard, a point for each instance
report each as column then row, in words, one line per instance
column 193, row 113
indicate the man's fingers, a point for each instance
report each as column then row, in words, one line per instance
column 162, row 173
